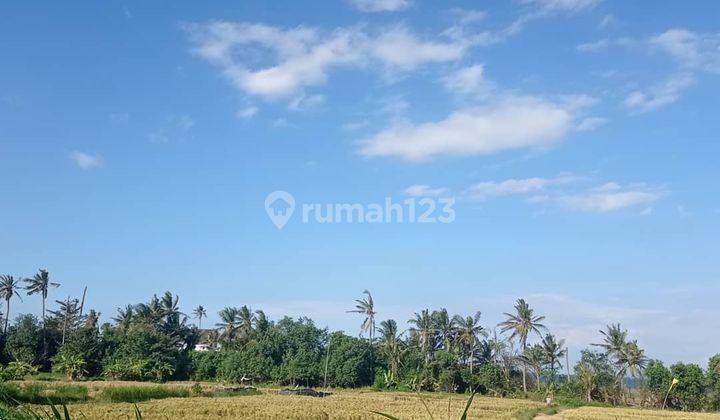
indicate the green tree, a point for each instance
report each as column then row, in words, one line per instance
column 657, row 380
column 9, row 286
column 423, row 329
column 469, row 332
column 228, row 323
column 366, row 307
column 199, row 313
column 444, row 327
column 23, row 341
column 689, row 393
column 595, row 375
column 351, row 361
column 713, row 383
column 534, row 357
column 553, row 352
column 522, row 323
column 40, row 284
column 391, row 345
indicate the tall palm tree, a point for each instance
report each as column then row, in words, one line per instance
column 261, row 321
column 9, row 286
column 366, row 307
column 468, row 336
column 534, row 357
column 200, row 313
column 246, row 319
column 522, row 323
column 391, row 345
column 424, row 330
column 444, row 328
column 40, row 283
column 632, row 360
column 614, row 340
column 125, row 316
column 229, row 324
column 554, row 352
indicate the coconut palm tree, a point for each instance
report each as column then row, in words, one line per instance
column 468, row 336
column 522, row 323
column 125, row 316
column 246, row 320
column 9, row 286
column 554, row 352
column 366, row 307
column 200, row 313
column 534, row 357
column 614, row 340
column 261, row 321
column 444, row 329
column 229, row 324
column 391, row 345
column 424, row 330
column 632, row 360
column 40, row 283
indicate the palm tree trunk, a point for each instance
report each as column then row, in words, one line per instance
column 7, row 315
column 524, row 368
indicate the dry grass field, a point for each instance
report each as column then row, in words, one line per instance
column 343, row 404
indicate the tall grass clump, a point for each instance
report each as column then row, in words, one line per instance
column 36, row 393
column 132, row 394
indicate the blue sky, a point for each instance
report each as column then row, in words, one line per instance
column 138, row 143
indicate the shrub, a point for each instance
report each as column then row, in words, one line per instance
column 133, row 394
column 17, row 371
column 351, row 361
column 204, row 365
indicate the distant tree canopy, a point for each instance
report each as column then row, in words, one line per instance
column 439, row 351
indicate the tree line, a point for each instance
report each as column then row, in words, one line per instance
column 156, row 341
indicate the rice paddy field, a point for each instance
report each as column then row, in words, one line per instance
column 342, row 404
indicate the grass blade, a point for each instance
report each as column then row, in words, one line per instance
column 387, row 416
column 467, row 407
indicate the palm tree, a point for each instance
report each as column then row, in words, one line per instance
column 229, row 324
column 632, row 360
column 246, row 318
column 522, row 323
column 614, row 340
column 125, row 316
column 391, row 345
column 261, row 321
column 200, row 313
column 9, row 286
column 366, row 307
column 554, row 352
column 444, row 328
column 534, row 357
column 92, row 319
column 40, row 283
column 468, row 332
column 424, row 330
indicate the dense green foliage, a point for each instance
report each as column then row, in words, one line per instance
column 153, row 341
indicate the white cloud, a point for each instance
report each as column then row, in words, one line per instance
column 399, row 48
column 594, row 46
column 567, row 6
column 302, row 57
column 466, row 80
column 419, row 190
column 380, row 5
column 466, row 17
column 86, row 161
column 591, row 123
column 354, row 125
column 608, row 21
column 513, row 123
column 659, row 95
column 690, row 49
column 606, row 198
column 247, row 112
column 489, row 189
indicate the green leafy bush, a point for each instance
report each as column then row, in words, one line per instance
column 35, row 393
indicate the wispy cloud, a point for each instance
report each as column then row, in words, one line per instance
column 247, row 112
column 489, row 189
column 591, row 123
column 659, row 95
column 420, row 190
column 380, row 5
column 512, row 123
column 606, row 198
column 466, row 80
column 86, row 161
